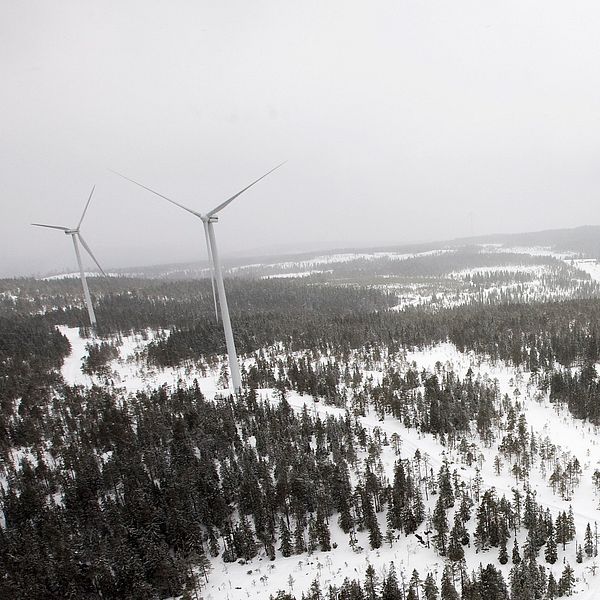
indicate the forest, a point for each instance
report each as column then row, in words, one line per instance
column 107, row 494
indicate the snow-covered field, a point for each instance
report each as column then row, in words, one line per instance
column 589, row 265
column 259, row 578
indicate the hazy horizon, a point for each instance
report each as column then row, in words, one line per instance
column 401, row 122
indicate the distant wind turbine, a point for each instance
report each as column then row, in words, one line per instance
column 208, row 220
column 75, row 236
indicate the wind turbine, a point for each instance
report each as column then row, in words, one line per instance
column 208, row 221
column 77, row 237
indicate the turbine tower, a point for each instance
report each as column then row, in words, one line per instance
column 208, row 221
column 77, row 237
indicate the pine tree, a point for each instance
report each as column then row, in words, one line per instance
column 455, row 550
column 414, row 584
column 550, row 553
column 465, row 508
column 370, row 519
column 299, row 543
column 530, row 550
column 551, row 588
column 430, row 589
column 440, row 524
column 286, row 539
column 566, row 581
column 313, row 535
column 391, row 590
column 371, row 583
column 516, row 557
column 315, row 591
column 561, row 529
column 571, row 525
column 445, row 486
column 588, row 543
column 323, row 532
column 492, row 584
column 503, row 555
column 448, row 591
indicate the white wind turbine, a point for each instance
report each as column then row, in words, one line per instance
column 76, row 236
column 208, row 220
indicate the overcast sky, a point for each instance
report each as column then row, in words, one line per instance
column 398, row 120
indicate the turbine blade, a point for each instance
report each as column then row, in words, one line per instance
column 89, row 251
column 51, row 226
column 214, row 211
column 212, row 267
column 86, row 207
column 157, row 193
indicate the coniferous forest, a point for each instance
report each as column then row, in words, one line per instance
column 376, row 452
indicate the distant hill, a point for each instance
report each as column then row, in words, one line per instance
column 580, row 240
column 585, row 240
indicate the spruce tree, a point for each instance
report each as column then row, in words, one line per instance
column 313, row 535
column 430, row 589
column 570, row 525
column 516, row 557
column 371, row 583
column 551, row 588
column 550, row 553
column 455, row 550
column 391, row 590
column 491, row 584
column 415, row 583
column 566, row 583
column 285, row 538
column 445, row 486
column 448, row 591
column 299, row 543
column 588, row 542
column 440, row 524
column 503, row 555
column 323, row 534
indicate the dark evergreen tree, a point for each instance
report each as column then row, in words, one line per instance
column 448, row 591
column 516, row 557
column 503, row 554
column 566, row 583
column 588, row 543
column 285, row 539
column 390, row 589
column 430, row 589
column 550, row 553
column 440, row 524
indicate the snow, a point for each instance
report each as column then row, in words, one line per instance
column 535, row 251
column 295, row 275
column 531, row 269
column 589, row 265
column 77, row 274
column 128, row 374
column 309, row 264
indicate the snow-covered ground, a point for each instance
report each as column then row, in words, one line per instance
column 328, row 259
column 77, row 274
column 296, row 274
column 589, row 265
column 513, row 269
column 259, row 578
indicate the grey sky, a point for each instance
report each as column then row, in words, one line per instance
column 397, row 118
